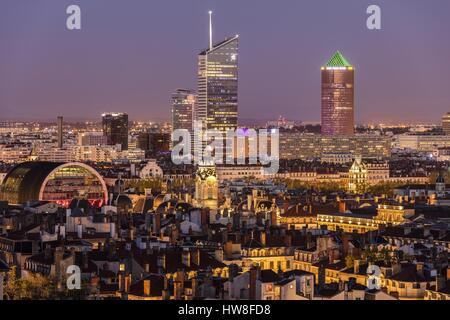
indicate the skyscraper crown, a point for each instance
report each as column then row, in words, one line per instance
column 338, row 61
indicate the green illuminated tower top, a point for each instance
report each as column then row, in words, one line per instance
column 338, row 61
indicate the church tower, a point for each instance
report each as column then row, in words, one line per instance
column 206, row 187
column 440, row 185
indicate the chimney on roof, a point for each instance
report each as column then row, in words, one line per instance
column 228, row 248
column 419, row 269
column 263, row 236
column 309, row 242
column 147, row 287
column 407, row 230
column 186, row 258
column 127, row 283
column 161, row 262
column 249, row 202
column 342, row 207
column 157, row 223
column 148, row 248
column 165, row 291
column 194, row 287
column 80, row 231
column 121, row 281
column 254, row 276
column 85, row 260
column 177, row 290
column 196, row 256
column 441, row 282
column 273, row 218
column 356, row 266
column 426, row 231
column 204, row 219
column 59, row 255
column 288, row 240
column 225, row 236
column 345, row 244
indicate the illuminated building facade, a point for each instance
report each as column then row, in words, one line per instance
column 446, row 123
column 183, row 106
column 294, row 145
column 206, row 187
column 363, row 174
column 115, row 128
column 362, row 222
column 338, row 78
column 53, row 182
column 422, row 143
column 92, row 139
column 217, row 107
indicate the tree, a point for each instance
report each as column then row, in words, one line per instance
column 349, row 261
column 15, row 288
column 34, row 287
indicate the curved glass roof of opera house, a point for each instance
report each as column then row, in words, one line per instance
column 53, row 182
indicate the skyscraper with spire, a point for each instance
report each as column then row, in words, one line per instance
column 338, row 97
column 217, row 107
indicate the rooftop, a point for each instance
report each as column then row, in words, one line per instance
column 338, row 61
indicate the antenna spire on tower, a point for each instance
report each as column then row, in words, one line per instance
column 210, row 31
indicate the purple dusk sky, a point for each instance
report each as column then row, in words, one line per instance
column 131, row 54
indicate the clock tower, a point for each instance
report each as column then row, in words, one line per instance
column 206, row 187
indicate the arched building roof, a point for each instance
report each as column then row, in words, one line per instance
column 27, row 181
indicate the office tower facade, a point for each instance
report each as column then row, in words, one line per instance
column 60, row 132
column 154, row 143
column 217, row 106
column 115, row 128
column 296, row 145
column 183, row 106
column 92, row 139
column 338, row 97
column 446, row 123
column 218, row 85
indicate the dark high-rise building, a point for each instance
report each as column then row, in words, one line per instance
column 115, row 128
column 159, row 142
column 217, row 106
column 338, row 97
column 446, row 123
column 154, row 143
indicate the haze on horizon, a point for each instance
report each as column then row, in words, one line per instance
column 130, row 56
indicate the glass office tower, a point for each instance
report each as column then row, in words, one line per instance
column 446, row 123
column 183, row 108
column 338, row 97
column 183, row 104
column 217, row 106
column 115, row 128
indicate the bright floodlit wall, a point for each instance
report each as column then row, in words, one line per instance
column 295, row 145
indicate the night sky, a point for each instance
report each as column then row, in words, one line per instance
column 131, row 54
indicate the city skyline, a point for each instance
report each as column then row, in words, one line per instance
column 216, row 151
column 125, row 75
